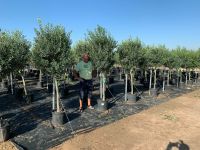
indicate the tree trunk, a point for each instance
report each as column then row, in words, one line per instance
column 11, row 83
column 168, row 76
column 186, row 81
column 53, row 96
column 177, row 84
column 120, row 75
column 24, row 85
column 189, row 75
column 126, row 84
column 40, row 76
column 163, row 80
column 181, row 77
column 100, row 88
column 57, row 96
column 154, row 79
column 150, row 81
column 195, row 77
column 145, row 75
column 132, row 76
column 103, row 87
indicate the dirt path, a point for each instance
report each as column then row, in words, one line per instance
column 153, row 129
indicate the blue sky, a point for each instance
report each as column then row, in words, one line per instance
column 169, row 22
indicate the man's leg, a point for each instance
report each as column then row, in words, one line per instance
column 90, row 88
column 81, row 95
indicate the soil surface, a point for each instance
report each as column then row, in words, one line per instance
column 7, row 146
column 173, row 125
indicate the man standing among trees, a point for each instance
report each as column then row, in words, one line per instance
column 84, row 73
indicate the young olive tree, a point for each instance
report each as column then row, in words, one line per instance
column 101, row 46
column 52, row 44
column 130, row 54
column 21, row 55
column 14, row 56
column 154, row 56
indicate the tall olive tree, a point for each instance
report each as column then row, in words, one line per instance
column 21, row 54
column 5, row 55
column 14, row 54
column 101, row 46
column 52, row 44
column 130, row 54
column 154, row 56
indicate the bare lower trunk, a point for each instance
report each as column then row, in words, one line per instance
column 126, row 83
column 57, row 96
column 181, row 78
column 24, row 85
column 11, row 83
column 100, row 88
column 145, row 75
column 168, row 75
column 40, row 77
column 195, row 77
column 189, row 75
column 150, row 81
column 132, row 76
column 154, row 79
column 103, row 87
column 163, row 80
column 177, row 84
column 186, row 81
column 53, row 96
column 120, row 75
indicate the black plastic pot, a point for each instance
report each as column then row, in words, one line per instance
column 40, row 84
column 28, row 98
column 154, row 92
column 58, row 118
column 131, row 98
column 102, row 105
column 4, row 130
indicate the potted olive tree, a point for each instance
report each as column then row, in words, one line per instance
column 6, row 59
column 101, row 46
column 154, row 57
column 21, row 57
column 53, row 46
column 39, row 64
column 130, row 53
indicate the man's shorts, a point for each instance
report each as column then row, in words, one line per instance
column 86, row 87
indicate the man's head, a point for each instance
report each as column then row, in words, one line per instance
column 85, row 57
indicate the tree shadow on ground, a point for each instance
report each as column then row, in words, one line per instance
column 180, row 145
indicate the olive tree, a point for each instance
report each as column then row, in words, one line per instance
column 52, row 44
column 154, row 56
column 101, row 46
column 130, row 53
column 14, row 55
